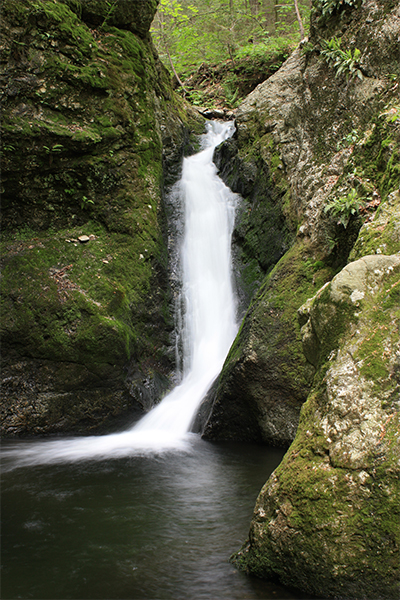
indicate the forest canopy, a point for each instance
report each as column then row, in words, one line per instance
column 188, row 33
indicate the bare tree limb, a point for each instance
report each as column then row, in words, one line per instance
column 298, row 15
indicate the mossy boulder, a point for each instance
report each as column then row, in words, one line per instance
column 266, row 377
column 90, row 129
column 134, row 15
column 327, row 520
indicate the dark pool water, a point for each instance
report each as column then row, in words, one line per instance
column 144, row 527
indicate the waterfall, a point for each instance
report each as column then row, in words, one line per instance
column 208, row 328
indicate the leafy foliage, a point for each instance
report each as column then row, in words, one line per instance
column 226, row 84
column 348, row 140
column 328, row 7
column 343, row 61
column 345, row 206
column 265, row 50
column 111, row 6
column 231, row 95
column 188, row 34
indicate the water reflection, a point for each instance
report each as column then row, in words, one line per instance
column 148, row 528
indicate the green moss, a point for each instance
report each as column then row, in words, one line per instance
column 100, row 295
column 266, row 365
column 378, row 154
column 66, row 21
column 383, row 315
column 284, row 290
column 295, row 278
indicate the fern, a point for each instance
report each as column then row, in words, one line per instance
column 345, row 62
column 327, row 7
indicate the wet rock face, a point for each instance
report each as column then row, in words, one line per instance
column 294, row 155
column 89, row 123
column 327, row 520
column 261, row 235
column 45, row 396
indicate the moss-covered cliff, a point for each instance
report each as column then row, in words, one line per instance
column 326, row 139
column 89, row 122
column 306, row 140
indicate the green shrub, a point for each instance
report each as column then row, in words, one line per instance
column 268, row 49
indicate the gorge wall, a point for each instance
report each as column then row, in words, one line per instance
column 90, row 128
column 317, row 156
column 92, row 134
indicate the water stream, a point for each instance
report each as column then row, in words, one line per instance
column 209, row 324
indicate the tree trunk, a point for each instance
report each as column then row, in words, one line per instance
column 174, row 71
column 165, row 43
column 298, row 15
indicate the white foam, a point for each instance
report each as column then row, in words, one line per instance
column 209, row 324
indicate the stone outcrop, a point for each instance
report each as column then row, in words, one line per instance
column 90, row 124
column 327, row 521
column 266, row 377
column 324, row 325
column 293, row 155
column 135, row 16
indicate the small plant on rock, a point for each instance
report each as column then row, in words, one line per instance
column 111, row 6
column 231, row 96
column 348, row 140
column 345, row 207
column 53, row 150
column 86, row 202
column 345, row 62
column 327, row 7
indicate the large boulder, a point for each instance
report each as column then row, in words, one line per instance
column 327, row 521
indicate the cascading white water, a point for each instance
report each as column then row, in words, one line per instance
column 209, row 322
